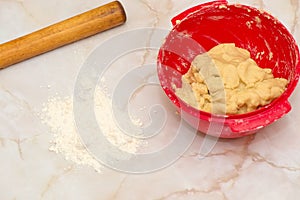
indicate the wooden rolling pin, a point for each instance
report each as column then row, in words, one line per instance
column 62, row 33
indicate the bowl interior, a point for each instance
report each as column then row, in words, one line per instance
column 269, row 42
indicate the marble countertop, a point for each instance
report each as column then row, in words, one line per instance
column 34, row 166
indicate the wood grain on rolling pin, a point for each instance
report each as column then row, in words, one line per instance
column 62, row 33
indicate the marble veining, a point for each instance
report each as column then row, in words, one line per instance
column 261, row 166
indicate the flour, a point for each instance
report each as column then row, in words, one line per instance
column 105, row 118
column 57, row 114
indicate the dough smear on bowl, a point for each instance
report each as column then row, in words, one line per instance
column 225, row 80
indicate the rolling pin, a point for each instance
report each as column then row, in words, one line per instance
column 65, row 32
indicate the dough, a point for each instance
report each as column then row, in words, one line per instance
column 225, row 80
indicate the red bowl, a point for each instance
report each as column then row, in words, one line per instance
column 199, row 29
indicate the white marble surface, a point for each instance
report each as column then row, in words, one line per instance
column 263, row 166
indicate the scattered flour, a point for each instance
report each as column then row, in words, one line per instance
column 57, row 114
column 106, row 121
